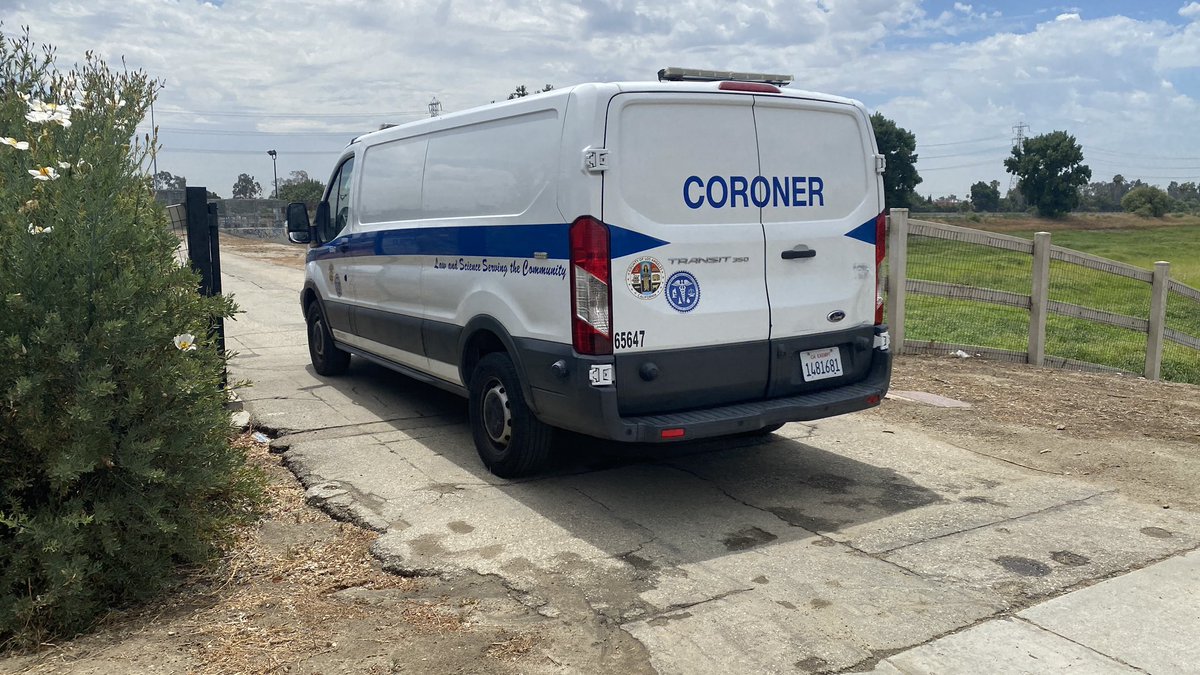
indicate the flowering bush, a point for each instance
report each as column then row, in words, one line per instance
column 115, row 466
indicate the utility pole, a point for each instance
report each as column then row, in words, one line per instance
column 435, row 107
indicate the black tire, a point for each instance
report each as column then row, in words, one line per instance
column 326, row 358
column 511, row 441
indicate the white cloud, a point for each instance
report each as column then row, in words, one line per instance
column 1071, row 16
column 1190, row 10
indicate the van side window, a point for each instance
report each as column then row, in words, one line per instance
column 339, row 200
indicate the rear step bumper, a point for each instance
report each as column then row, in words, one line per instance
column 593, row 410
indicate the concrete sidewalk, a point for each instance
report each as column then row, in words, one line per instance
column 1146, row 621
column 820, row 549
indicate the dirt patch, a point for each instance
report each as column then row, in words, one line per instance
column 287, row 255
column 301, row 593
column 1124, row 432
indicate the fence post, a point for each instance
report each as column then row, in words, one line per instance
column 1039, row 299
column 897, row 278
column 1158, row 320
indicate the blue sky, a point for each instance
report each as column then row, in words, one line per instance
column 304, row 76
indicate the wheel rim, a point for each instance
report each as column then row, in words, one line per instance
column 317, row 337
column 497, row 418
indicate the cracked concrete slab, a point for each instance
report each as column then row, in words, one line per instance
column 1007, row 647
column 815, row 549
column 1055, row 549
column 1149, row 618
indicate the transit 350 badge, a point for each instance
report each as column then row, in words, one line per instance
column 644, row 278
column 683, row 291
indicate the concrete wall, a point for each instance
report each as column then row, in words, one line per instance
column 253, row 218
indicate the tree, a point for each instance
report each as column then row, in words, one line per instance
column 1051, row 172
column 1147, row 201
column 164, row 180
column 300, row 188
column 246, row 187
column 986, row 197
column 521, row 92
column 898, row 145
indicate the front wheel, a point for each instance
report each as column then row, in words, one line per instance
column 326, row 358
column 511, row 441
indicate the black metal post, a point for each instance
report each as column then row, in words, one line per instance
column 204, row 254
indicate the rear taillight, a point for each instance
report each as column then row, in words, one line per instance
column 880, row 253
column 591, row 299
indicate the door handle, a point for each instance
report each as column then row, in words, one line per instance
column 792, row 254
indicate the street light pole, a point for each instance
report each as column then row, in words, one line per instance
column 274, row 171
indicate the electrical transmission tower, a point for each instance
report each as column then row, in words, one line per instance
column 435, row 107
column 1018, row 140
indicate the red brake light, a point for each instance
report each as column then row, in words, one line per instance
column 672, row 433
column 591, row 297
column 757, row 87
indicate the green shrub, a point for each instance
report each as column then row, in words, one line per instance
column 115, row 465
column 1146, row 201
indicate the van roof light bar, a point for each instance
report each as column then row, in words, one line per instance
column 698, row 75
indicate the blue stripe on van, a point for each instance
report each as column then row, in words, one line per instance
column 864, row 233
column 477, row 241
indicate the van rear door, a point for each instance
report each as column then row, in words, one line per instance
column 690, row 318
column 820, row 194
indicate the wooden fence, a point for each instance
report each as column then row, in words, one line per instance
column 1037, row 303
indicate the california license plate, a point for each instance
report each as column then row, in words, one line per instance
column 821, row 364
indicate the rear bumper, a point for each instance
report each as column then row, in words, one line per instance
column 570, row 402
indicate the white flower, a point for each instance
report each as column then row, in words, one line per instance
column 64, row 165
column 40, row 111
column 185, row 342
column 44, row 173
column 37, row 229
column 20, row 145
column 116, row 101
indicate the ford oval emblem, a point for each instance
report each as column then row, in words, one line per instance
column 836, row 316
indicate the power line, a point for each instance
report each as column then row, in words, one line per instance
column 222, row 151
column 956, row 166
column 963, row 154
column 229, row 113
column 940, row 145
column 234, row 132
column 1093, row 149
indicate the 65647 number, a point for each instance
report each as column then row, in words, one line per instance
column 627, row 339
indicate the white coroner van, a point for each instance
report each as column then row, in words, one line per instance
column 637, row 261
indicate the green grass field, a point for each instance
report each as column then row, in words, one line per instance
column 987, row 325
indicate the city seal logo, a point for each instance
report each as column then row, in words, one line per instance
column 683, row 291
column 644, row 278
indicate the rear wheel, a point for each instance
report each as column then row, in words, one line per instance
column 511, row 441
column 326, row 358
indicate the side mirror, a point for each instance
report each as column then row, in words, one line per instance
column 299, row 231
